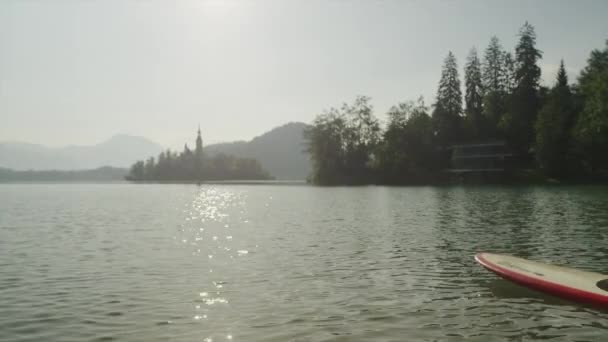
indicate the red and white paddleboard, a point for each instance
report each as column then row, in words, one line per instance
column 569, row 283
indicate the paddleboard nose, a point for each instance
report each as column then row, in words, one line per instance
column 565, row 282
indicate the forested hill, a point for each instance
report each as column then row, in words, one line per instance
column 280, row 151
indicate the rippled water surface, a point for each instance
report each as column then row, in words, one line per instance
column 122, row 262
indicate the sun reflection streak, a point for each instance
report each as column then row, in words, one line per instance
column 210, row 228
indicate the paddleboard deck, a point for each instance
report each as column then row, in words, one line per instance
column 569, row 283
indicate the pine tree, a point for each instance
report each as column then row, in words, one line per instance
column 563, row 92
column 527, row 73
column 525, row 102
column 448, row 107
column 493, row 78
column 493, row 67
column 473, row 97
column 509, row 73
column 554, row 128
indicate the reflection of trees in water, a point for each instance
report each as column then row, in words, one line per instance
column 474, row 219
column 575, row 221
column 560, row 225
column 468, row 220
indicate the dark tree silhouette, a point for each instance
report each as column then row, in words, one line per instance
column 407, row 154
column 493, row 77
column 525, row 101
column 447, row 114
column 195, row 166
column 473, row 97
column 568, row 137
column 554, row 128
column 591, row 132
column 341, row 143
column 509, row 80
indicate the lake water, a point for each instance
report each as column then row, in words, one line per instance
column 124, row 262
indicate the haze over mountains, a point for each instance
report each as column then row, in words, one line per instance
column 280, row 151
column 118, row 151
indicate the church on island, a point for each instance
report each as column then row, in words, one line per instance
column 196, row 166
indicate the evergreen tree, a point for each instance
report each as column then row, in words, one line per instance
column 493, row 67
column 493, row 77
column 554, row 128
column 473, row 97
column 527, row 73
column 448, row 107
column 524, row 104
column 591, row 131
column 509, row 73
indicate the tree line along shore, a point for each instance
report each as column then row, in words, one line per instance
column 558, row 133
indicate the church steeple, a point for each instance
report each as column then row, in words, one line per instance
column 199, row 142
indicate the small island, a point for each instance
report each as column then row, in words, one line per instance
column 196, row 166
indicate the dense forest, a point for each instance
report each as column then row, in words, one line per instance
column 196, row 166
column 557, row 133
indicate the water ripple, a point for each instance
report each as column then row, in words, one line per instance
column 260, row 263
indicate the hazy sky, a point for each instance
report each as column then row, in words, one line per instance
column 78, row 72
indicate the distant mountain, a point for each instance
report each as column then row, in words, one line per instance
column 118, row 151
column 102, row 174
column 280, row 151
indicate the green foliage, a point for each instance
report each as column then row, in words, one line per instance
column 407, row 154
column 346, row 146
column 524, row 102
column 554, row 129
column 527, row 72
column 493, row 67
column 448, row 106
column 566, row 126
column 342, row 142
column 326, row 147
column 591, row 132
column 509, row 80
column 494, row 78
